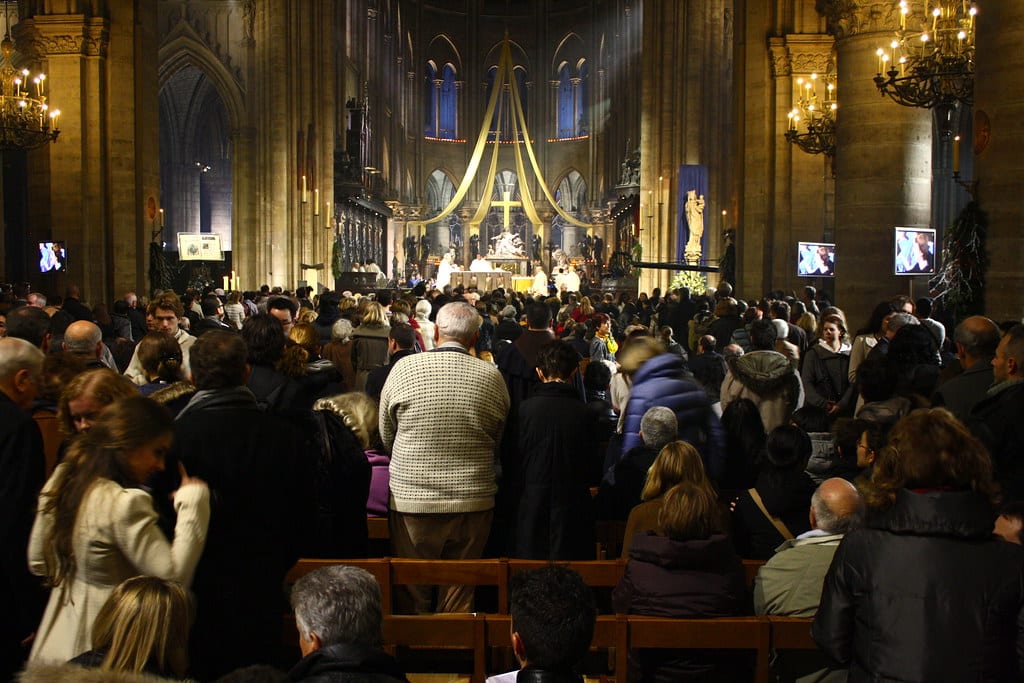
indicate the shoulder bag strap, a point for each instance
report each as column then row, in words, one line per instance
column 776, row 522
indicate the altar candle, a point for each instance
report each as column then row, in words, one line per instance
column 305, row 194
column 316, row 202
column 227, row 285
column 956, row 155
column 327, row 211
column 161, row 218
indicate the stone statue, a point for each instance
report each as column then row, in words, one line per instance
column 411, row 251
column 695, row 222
column 535, row 244
column 507, row 243
column 425, row 247
column 474, row 243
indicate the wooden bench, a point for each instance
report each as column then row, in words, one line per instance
column 730, row 633
column 494, row 573
column 792, row 633
column 750, row 570
column 435, row 632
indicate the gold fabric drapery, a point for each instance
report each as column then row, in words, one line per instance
column 504, row 79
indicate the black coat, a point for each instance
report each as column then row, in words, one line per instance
column 789, row 499
column 997, row 421
column 259, row 469
column 925, row 592
column 692, row 579
column 344, row 663
column 557, row 444
column 22, row 474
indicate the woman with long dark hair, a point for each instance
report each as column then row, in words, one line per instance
column 96, row 527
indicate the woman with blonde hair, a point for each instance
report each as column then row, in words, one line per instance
column 85, row 397
column 96, row 526
column 370, row 343
column 677, row 462
column 143, row 627
column 234, row 311
column 347, row 426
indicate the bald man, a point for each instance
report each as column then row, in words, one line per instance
column 85, row 340
column 790, row 583
column 976, row 340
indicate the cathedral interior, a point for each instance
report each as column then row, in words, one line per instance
column 300, row 138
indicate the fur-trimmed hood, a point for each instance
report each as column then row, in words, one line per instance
column 766, row 373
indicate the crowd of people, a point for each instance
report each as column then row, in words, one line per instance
column 163, row 465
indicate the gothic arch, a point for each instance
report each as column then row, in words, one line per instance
column 441, row 49
column 181, row 50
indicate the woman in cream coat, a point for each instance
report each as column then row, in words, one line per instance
column 94, row 527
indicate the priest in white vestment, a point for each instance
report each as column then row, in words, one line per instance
column 480, row 265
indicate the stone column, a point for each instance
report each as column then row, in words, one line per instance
column 883, row 162
column 101, row 74
column 999, row 161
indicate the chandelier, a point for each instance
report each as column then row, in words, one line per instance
column 812, row 121
column 930, row 62
column 26, row 120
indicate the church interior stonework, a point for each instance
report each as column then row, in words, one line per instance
column 282, row 142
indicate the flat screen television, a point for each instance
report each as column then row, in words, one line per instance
column 53, row 257
column 816, row 259
column 914, row 251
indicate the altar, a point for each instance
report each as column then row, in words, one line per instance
column 516, row 265
column 482, row 281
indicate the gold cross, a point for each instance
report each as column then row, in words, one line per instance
column 507, row 204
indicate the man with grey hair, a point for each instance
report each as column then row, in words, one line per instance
column 85, row 340
column 790, row 583
column 622, row 484
column 441, row 415
column 338, row 616
column 976, row 340
column 22, row 474
column 36, row 300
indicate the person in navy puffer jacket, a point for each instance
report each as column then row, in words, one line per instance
column 662, row 380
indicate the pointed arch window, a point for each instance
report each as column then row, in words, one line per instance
column 441, row 98
column 571, row 111
column 503, row 111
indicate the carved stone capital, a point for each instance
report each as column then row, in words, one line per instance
column 49, row 35
column 779, row 56
column 848, row 18
column 809, row 53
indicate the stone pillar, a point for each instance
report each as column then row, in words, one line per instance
column 999, row 161
column 883, row 162
column 101, row 74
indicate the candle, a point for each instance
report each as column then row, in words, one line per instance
column 227, row 284
column 305, row 193
column 161, row 218
column 956, row 155
column 328, row 212
column 316, row 202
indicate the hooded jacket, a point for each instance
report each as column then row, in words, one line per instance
column 663, row 381
column 768, row 379
column 925, row 592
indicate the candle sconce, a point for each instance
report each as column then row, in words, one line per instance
column 970, row 185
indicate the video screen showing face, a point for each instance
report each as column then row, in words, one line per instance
column 914, row 251
column 52, row 257
column 816, row 259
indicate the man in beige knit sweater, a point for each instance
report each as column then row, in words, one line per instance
column 441, row 416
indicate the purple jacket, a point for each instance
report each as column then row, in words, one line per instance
column 377, row 502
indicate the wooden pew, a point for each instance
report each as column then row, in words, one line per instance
column 731, row 633
column 437, row 632
column 792, row 633
column 595, row 573
column 750, row 569
column 408, row 572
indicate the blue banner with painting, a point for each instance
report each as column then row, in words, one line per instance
column 692, row 178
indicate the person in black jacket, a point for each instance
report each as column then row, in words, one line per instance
column 775, row 509
column 557, row 446
column 259, row 469
column 338, row 616
column 925, row 591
